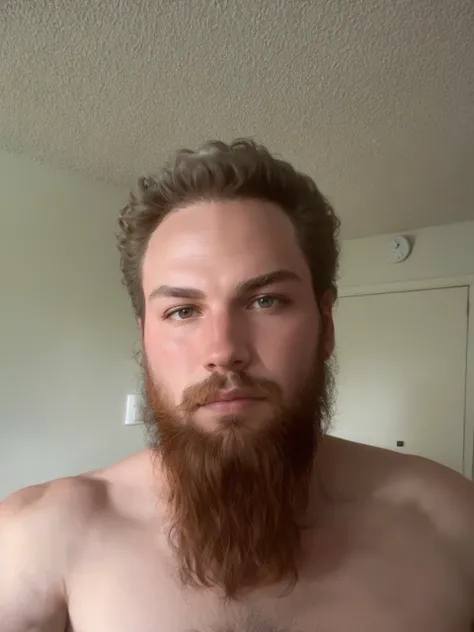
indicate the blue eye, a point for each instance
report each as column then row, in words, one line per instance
column 265, row 302
column 183, row 313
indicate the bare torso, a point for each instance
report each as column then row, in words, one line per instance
column 373, row 561
column 388, row 546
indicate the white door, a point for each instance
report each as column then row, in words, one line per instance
column 402, row 370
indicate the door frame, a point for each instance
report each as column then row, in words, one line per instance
column 466, row 281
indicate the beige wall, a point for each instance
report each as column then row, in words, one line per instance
column 440, row 252
column 67, row 334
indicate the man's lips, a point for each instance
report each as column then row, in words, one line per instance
column 232, row 401
column 231, row 396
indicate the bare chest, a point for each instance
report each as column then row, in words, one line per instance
column 356, row 575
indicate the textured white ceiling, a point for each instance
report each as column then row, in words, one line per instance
column 374, row 98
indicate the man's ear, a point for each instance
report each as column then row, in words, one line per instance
column 327, row 318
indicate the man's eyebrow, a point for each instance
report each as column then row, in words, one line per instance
column 176, row 292
column 251, row 285
column 259, row 282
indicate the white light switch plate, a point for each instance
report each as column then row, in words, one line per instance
column 132, row 410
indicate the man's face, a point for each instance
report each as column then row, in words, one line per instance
column 228, row 292
column 236, row 378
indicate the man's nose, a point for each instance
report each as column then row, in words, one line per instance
column 227, row 346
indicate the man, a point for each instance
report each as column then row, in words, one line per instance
column 244, row 514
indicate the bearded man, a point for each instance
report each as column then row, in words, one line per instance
column 243, row 514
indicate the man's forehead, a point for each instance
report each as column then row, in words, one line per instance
column 223, row 233
column 226, row 272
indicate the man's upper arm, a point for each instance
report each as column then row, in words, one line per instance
column 31, row 558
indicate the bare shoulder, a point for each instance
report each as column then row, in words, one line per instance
column 56, row 510
column 40, row 533
column 444, row 496
column 61, row 511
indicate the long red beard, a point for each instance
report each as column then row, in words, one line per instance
column 235, row 494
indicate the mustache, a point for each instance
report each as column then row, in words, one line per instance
column 208, row 391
